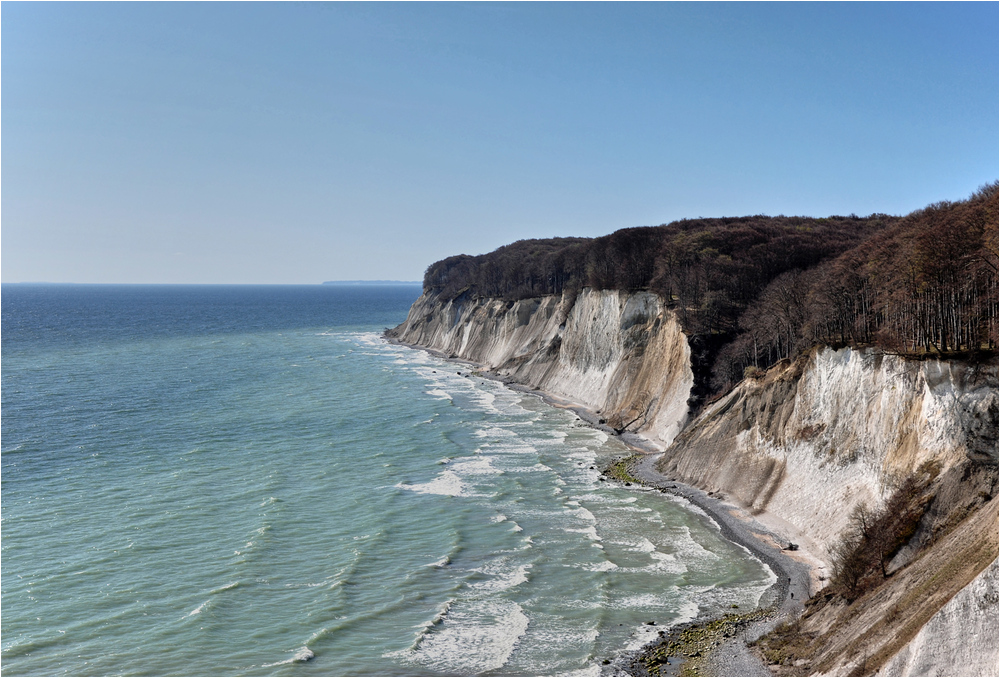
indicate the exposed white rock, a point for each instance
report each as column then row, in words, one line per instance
column 617, row 353
column 943, row 646
column 806, row 443
column 811, row 441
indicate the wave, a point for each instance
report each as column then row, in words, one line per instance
column 495, row 432
column 447, row 484
column 227, row 587
column 444, row 562
column 472, row 637
column 196, row 611
column 303, row 654
column 479, row 465
column 437, row 619
column 504, row 581
column 602, row 566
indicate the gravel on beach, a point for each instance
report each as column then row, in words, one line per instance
column 719, row 647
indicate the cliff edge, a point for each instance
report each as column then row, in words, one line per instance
column 807, row 441
column 621, row 355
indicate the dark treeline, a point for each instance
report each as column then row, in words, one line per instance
column 750, row 291
column 924, row 285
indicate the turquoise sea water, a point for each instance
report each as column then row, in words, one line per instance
column 250, row 481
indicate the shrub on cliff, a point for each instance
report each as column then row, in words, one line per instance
column 874, row 536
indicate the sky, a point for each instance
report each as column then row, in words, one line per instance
column 304, row 142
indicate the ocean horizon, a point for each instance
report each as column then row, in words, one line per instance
column 250, row 480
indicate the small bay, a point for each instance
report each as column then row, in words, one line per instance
column 248, row 480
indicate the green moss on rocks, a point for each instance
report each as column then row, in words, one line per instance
column 692, row 643
column 621, row 470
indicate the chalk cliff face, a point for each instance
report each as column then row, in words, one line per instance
column 814, row 437
column 806, row 442
column 622, row 355
column 943, row 642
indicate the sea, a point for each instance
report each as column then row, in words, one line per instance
column 249, row 480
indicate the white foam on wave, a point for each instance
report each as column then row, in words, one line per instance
column 368, row 338
column 485, row 400
column 644, row 546
column 473, row 637
column 662, row 562
column 478, row 465
column 604, row 499
column 498, row 518
column 688, row 612
column 690, row 549
column 495, row 432
column 666, row 562
column 196, row 611
column 645, row 600
column 227, row 587
column 303, row 654
column 447, row 484
column 553, row 645
column 603, row 566
column 590, row 532
column 331, row 582
column 534, row 468
column 425, row 628
column 581, row 512
column 504, row 580
column 512, row 448
column 641, row 637
column 439, row 394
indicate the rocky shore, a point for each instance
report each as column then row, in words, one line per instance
column 719, row 647
column 707, row 646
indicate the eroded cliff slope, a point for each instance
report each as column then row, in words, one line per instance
column 806, row 442
column 814, row 437
column 621, row 355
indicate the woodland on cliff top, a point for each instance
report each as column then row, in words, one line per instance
column 750, row 291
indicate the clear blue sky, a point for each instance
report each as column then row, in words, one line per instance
column 296, row 143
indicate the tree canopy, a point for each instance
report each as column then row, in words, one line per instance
column 750, row 291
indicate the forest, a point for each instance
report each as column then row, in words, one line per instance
column 750, row 291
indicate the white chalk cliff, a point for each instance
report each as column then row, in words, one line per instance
column 619, row 354
column 814, row 437
column 943, row 644
column 806, row 442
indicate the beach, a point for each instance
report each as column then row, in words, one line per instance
column 799, row 571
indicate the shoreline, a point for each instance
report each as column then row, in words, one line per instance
column 798, row 571
column 729, row 653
